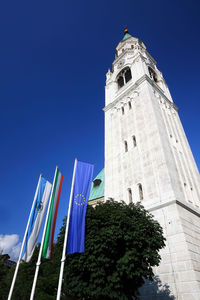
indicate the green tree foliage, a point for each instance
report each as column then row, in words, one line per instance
column 122, row 245
column 4, row 273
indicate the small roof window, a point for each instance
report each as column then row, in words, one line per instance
column 97, row 182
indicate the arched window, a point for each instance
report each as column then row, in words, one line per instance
column 126, row 146
column 128, row 75
column 122, row 111
column 134, row 141
column 130, row 196
column 120, row 81
column 123, row 77
column 152, row 74
column 129, row 104
column 140, row 191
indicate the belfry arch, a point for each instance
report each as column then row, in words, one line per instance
column 123, row 77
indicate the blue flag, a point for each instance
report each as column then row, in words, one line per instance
column 82, row 184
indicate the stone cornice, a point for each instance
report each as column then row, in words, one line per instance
column 130, row 88
column 183, row 204
column 133, row 87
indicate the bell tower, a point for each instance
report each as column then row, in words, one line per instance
column 148, row 159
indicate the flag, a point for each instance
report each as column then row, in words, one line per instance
column 81, row 190
column 36, row 218
column 51, row 223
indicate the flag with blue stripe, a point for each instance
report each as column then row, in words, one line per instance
column 81, row 191
column 36, row 218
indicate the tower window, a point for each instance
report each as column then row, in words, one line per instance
column 153, row 74
column 134, row 141
column 123, row 50
column 140, row 191
column 128, row 75
column 126, row 146
column 120, row 81
column 129, row 105
column 130, row 196
column 96, row 182
column 122, row 111
column 123, row 77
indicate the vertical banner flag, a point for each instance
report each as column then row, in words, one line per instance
column 51, row 223
column 81, row 191
column 36, row 218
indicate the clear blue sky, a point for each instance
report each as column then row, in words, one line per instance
column 53, row 59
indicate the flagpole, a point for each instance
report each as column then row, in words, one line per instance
column 66, row 236
column 42, row 243
column 23, row 242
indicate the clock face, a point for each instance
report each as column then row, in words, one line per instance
column 120, row 64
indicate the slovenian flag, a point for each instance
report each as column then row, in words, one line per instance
column 51, row 222
column 36, row 218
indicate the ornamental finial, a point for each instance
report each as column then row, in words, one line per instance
column 125, row 29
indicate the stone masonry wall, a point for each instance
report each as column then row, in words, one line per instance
column 179, row 270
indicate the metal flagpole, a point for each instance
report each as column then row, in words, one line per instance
column 66, row 236
column 23, row 242
column 42, row 242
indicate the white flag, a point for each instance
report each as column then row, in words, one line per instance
column 36, row 219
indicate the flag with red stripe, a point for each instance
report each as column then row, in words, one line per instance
column 51, row 223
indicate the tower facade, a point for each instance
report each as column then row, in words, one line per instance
column 148, row 159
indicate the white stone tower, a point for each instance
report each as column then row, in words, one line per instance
column 148, row 159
